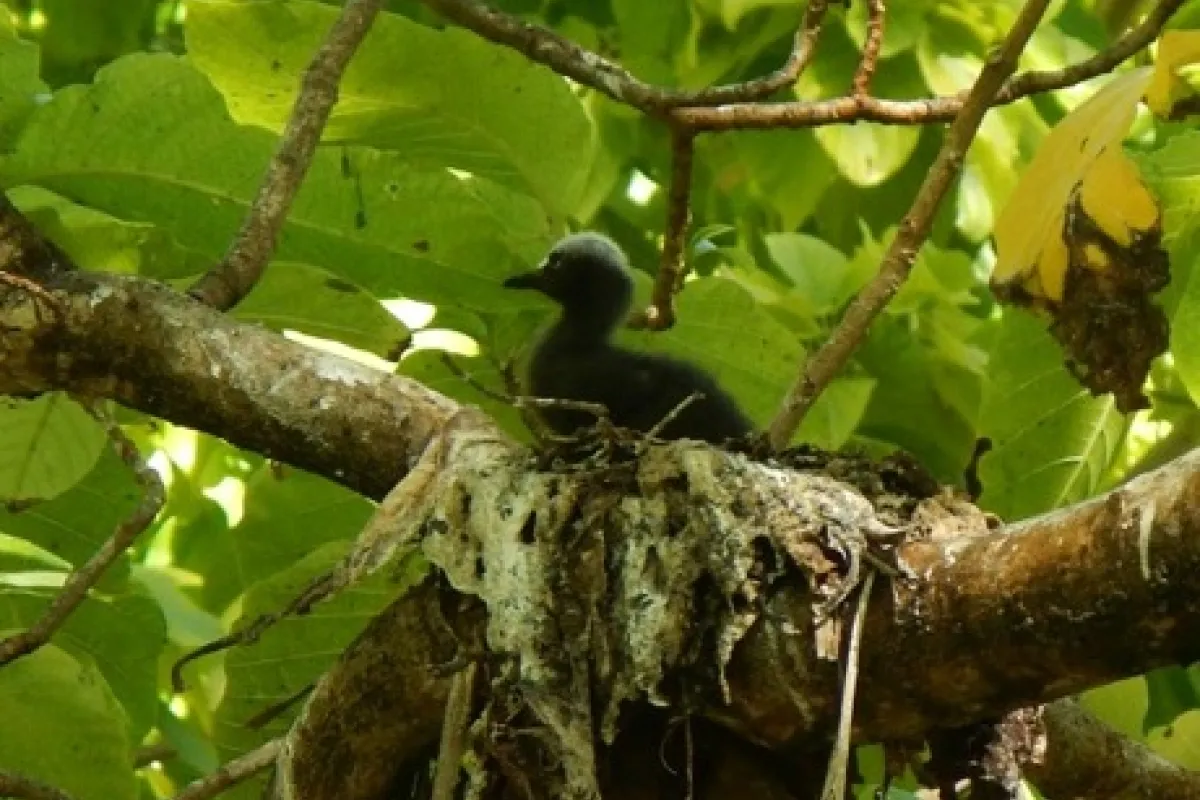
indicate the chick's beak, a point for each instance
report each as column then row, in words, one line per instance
column 527, row 280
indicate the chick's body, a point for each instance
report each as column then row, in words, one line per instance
column 576, row 359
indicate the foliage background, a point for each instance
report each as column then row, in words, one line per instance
column 135, row 134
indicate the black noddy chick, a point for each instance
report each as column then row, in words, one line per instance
column 587, row 275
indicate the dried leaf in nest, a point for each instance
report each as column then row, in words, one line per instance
column 1081, row 240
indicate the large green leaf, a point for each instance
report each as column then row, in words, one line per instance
column 47, row 445
column 910, row 407
column 150, row 141
column 299, row 297
column 1052, row 442
column 289, row 512
column 74, row 524
column 62, row 726
column 440, row 98
column 101, row 242
column 19, row 76
column 124, row 638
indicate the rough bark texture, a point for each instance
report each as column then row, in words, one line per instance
column 149, row 348
column 684, row 574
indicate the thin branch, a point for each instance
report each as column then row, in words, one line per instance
column 672, row 267
column 922, row 111
column 149, row 754
column 13, row 785
column 318, row 589
column 233, row 773
column 229, row 281
column 804, row 46
column 876, row 12
column 591, row 69
column 76, row 587
column 914, row 228
column 734, row 106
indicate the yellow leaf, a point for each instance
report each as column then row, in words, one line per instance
column 1176, row 49
column 1029, row 233
column 1114, row 197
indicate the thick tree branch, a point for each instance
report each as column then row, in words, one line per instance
column 231, row 280
column 151, row 349
column 1057, row 600
column 1086, row 758
column 1082, row 597
column 827, row 362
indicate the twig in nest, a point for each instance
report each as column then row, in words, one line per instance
column 673, row 414
column 455, row 726
column 526, row 405
column 839, row 758
column 76, row 587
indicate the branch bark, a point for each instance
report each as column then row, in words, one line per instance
column 231, row 280
column 1057, row 600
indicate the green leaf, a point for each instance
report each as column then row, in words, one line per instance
column 1173, row 174
column 308, row 299
column 868, row 153
column 1185, row 324
column 47, row 445
column 652, row 35
column 1172, row 691
column 289, row 513
column 23, row 87
column 837, row 412
column 732, row 11
column 441, row 98
column 820, row 275
column 150, row 141
column 63, row 727
column 101, row 242
column 1052, row 442
column 74, row 524
column 754, row 161
column 908, row 395
column 123, row 637
column 1176, row 743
